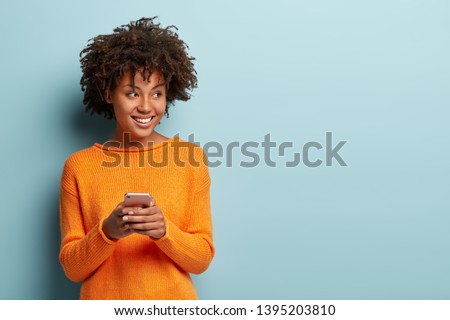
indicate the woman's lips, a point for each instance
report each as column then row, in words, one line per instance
column 143, row 122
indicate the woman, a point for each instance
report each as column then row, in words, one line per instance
column 144, row 252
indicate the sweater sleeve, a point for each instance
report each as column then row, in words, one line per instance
column 81, row 252
column 192, row 248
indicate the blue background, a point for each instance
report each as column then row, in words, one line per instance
column 374, row 73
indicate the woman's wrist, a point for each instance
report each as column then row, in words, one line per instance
column 105, row 230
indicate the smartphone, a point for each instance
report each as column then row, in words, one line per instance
column 137, row 199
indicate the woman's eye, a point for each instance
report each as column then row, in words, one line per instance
column 132, row 94
column 157, row 94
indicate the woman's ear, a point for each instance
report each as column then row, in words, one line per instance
column 108, row 97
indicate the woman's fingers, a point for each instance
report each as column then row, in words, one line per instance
column 145, row 226
column 144, row 211
column 146, row 221
column 151, row 220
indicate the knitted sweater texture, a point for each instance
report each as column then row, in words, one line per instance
column 94, row 181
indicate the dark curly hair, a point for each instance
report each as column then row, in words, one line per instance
column 139, row 44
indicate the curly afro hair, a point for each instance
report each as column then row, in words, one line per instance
column 141, row 44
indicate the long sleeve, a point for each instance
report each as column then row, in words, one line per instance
column 191, row 249
column 81, row 254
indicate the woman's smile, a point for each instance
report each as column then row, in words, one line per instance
column 143, row 122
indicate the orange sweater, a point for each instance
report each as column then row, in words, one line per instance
column 94, row 181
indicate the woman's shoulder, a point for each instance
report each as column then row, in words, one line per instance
column 81, row 156
column 76, row 164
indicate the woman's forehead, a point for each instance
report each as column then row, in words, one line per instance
column 142, row 75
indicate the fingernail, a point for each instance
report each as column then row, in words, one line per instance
column 131, row 212
column 125, row 218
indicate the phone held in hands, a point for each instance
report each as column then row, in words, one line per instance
column 137, row 199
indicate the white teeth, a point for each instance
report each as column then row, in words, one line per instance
column 147, row 120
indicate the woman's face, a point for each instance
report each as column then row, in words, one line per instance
column 139, row 108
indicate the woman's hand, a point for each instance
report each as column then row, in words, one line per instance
column 114, row 226
column 147, row 221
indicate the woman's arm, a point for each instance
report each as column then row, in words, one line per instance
column 82, row 252
column 192, row 249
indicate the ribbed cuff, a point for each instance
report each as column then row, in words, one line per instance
column 104, row 236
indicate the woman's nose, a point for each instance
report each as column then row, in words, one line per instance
column 145, row 106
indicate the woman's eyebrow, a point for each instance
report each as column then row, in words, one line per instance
column 158, row 85
column 137, row 87
column 131, row 86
